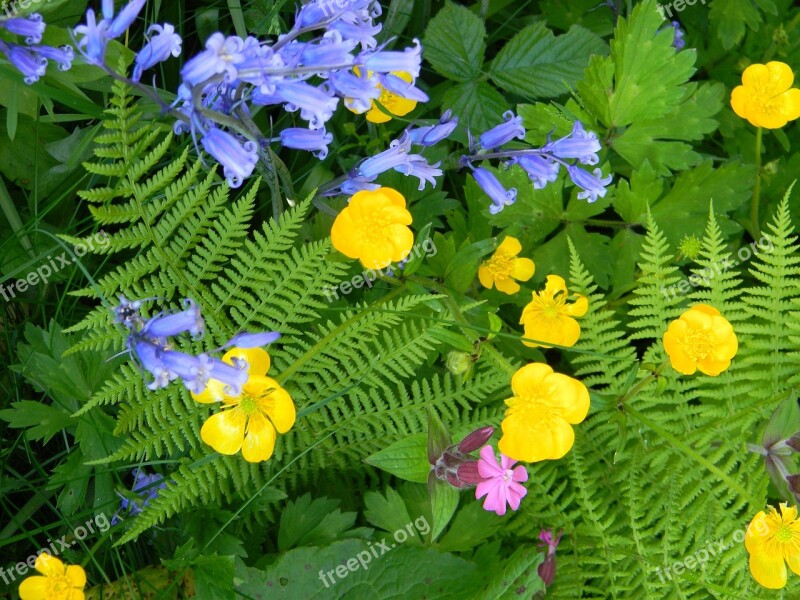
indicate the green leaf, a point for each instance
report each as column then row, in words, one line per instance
column 407, row 458
column 213, row 576
column 444, row 501
column 631, row 200
column 454, row 43
column 350, row 569
column 642, row 78
column 471, row 527
column 318, row 521
column 661, row 141
column 537, row 64
column 519, row 571
column 389, row 512
column 729, row 19
column 477, row 104
column 42, row 421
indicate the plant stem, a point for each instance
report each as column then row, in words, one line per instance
column 754, row 206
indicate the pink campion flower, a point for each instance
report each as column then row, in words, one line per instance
column 501, row 484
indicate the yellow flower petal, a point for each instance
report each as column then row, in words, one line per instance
column 224, row 431
column 34, row 588
column 740, row 99
column 555, row 283
column 523, row 269
column 781, row 77
column 791, row 104
column 507, row 286
column 76, row 576
column 579, row 306
column 569, row 395
column 259, row 441
column 214, row 392
column 510, row 246
column 256, row 358
column 561, row 331
column 756, row 533
column 345, row 235
column 277, row 405
column 528, row 380
column 49, row 565
column 794, row 563
column 533, row 441
column 756, row 76
column 376, row 115
column 768, row 570
column 485, row 276
column 76, row 595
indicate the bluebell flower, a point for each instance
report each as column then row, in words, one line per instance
column 148, row 353
column 678, row 41
column 580, row 144
column 431, row 135
column 331, row 52
column 503, row 133
column 222, row 55
column 395, row 85
column 362, row 31
column 252, row 340
column 383, row 61
column 500, row 196
column 418, row 167
column 124, row 19
column 31, row 26
column 145, row 488
column 394, row 156
column 92, row 44
column 316, row 105
column 593, row 185
column 31, row 65
column 160, row 47
column 358, row 90
column 237, row 159
column 126, row 313
column 312, row 140
column 354, row 183
column 63, row 55
column 188, row 320
column 195, row 371
column 541, row 170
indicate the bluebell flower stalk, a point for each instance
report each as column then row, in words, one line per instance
column 542, row 165
column 32, row 58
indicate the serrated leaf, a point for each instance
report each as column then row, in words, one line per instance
column 454, row 43
column 537, row 64
column 478, row 105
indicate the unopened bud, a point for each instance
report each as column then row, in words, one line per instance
column 468, row 473
column 459, row 363
column 476, row 439
column 794, row 484
column 794, row 442
column 547, row 570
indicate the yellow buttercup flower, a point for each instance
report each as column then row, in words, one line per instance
column 397, row 105
column 539, row 419
column 374, row 228
column 773, row 541
column 701, row 339
column 247, row 422
column 550, row 318
column 766, row 97
column 504, row 267
column 56, row 582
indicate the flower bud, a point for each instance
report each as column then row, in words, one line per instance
column 459, row 363
column 468, row 472
column 794, row 442
column 476, row 439
column 547, row 569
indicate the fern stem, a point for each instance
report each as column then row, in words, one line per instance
column 699, row 458
column 754, row 204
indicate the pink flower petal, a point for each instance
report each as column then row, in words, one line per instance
column 520, row 474
column 484, row 487
column 487, row 465
column 505, row 462
column 515, row 494
column 496, row 500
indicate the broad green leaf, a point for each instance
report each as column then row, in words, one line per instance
column 454, row 43
column 444, row 501
column 407, row 458
column 42, row 421
column 307, row 521
column 729, row 18
column 213, row 576
column 478, row 105
column 661, row 141
column 537, row 64
column 519, row 572
column 643, row 77
column 471, row 527
column 311, row 574
column 631, row 200
column 388, row 512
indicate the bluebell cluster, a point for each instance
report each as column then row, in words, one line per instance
column 149, row 343
column 541, row 164
column 145, row 488
column 399, row 157
column 32, row 58
column 221, row 85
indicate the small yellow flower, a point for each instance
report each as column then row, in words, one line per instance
column 247, row 422
column 766, row 97
column 56, row 582
column 537, row 425
column 504, row 267
column 374, row 228
column 701, row 340
column 549, row 317
column 397, row 105
column 773, row 541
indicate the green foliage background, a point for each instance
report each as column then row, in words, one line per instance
column 659, row 470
